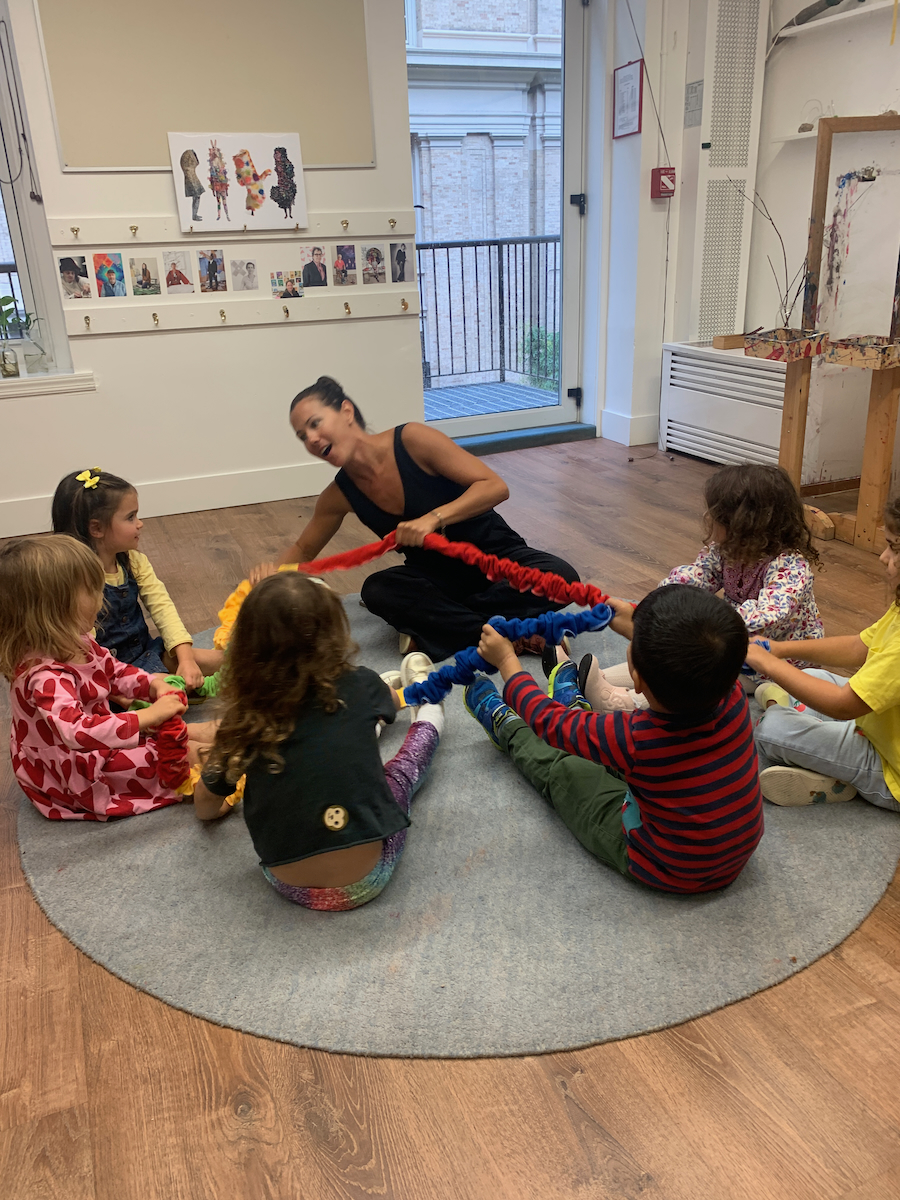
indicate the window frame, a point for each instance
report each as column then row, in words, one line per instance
column 28, row 229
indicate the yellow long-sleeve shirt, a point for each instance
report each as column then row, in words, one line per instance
column 157, row 600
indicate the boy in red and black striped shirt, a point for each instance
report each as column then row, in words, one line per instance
column 668, row 795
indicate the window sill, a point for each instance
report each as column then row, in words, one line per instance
column 47, row 385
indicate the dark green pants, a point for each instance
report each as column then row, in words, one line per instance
column 588, row 797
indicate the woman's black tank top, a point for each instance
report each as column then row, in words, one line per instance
column 421, row 494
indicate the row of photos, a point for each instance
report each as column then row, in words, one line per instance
column 320, row 266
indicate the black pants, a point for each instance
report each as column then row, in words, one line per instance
column 445, row 613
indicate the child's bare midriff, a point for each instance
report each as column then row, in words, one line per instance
column 337, row 868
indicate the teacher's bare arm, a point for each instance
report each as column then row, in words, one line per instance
column 436, row 454
column 331, row 508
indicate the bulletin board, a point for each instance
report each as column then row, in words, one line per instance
column 122, row 75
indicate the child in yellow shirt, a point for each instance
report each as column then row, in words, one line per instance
column 824, row 737
column 101, row 510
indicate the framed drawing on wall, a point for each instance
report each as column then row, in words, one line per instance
column 628, row 98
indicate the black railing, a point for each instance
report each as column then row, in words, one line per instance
column 490, row 311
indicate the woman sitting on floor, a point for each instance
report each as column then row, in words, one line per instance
column 414, row 480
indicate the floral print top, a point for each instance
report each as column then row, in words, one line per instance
column 778, row 603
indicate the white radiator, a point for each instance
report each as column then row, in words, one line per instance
column 720, row 405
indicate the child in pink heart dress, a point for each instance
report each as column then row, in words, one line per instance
column 72, row 756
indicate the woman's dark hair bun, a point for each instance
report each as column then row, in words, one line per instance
column 331, row 394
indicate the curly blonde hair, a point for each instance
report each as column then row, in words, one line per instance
column 42, row 582
column 761, row 512
column 291, row 638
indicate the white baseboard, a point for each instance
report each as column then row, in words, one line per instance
column 628, row 430
column 160, row 498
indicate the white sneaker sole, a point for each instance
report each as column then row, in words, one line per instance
column 792, row 787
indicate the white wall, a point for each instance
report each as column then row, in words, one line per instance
column 846, row 69
column 198, row 419
column 630, row 312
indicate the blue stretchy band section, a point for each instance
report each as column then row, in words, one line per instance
column 552, row 626
column 746, row 669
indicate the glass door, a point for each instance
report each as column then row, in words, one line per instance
column 490, row 131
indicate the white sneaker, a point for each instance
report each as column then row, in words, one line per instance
column 392, row 679
column 794, row 786
column 415, row 668
column 770, row 693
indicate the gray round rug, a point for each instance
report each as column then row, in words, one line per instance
column 497, row 935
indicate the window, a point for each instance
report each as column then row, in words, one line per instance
column 35, row 324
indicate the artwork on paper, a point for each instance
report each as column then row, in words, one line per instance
column 859, row 272
column 73, row 277
column 373, row 264
column 287, row 285
column 144, row 276
column 110, row 274
column 243, row 275
column 238, row 179
column 343, row 266
column 178, row 274
column 212, row 271
column 218, row 179
column 401, row 271
column 315, row 266
column 284, row 190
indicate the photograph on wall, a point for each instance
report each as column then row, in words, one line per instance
column 373, row 264
column 144, row 276
column 110, row 274
column 238, row 179
column 315, row 270
column 287, row 285
column 73, row 276
column 343, row 266
column 401, row 270
column 177, row 266
column 243, row 275
column 212, row 271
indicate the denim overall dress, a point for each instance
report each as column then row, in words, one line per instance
column 122, row 629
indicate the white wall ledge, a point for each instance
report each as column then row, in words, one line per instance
column 47, row 385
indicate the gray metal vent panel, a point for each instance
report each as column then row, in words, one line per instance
column 717, row 447
column 720, row 276
column 731, row 112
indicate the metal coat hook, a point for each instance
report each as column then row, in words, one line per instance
column 245, row 229
column 222, row 313
column 346, row 308
column 191, row 230
column 296, row 228
column 87, row 322
column 134, row 230
column 155, row 318
column 392, row 222
column 404, row 304
column 285, row 310
column 345, row 223
column 75, row 229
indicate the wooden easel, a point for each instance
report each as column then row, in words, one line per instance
column 878, row 451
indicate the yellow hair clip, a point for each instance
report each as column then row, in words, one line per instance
column 89, row 480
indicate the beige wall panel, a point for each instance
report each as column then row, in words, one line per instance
column 123, row 75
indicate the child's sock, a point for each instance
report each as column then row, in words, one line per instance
column 433, row 714
column 600, row 693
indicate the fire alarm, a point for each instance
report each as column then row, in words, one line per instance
column 662, row 183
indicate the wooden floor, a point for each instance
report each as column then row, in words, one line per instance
column 107, row 1093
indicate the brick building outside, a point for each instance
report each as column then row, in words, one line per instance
column 485, row 115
